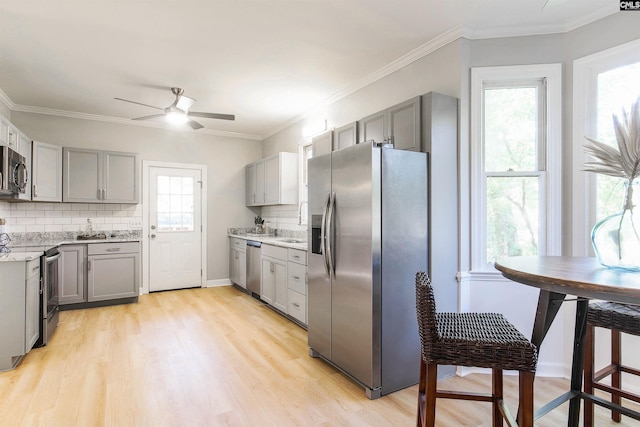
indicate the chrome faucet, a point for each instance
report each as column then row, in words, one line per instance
column 300, row 211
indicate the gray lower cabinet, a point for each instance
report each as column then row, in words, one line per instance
column 297, row 285
column 273, row 276
column 19, row 310
column 99, row 271
column 113, row 271
column 238, row 261
column 71, row 274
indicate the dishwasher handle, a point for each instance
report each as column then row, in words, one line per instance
column 254, row 243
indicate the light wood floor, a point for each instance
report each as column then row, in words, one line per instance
column 210, row 357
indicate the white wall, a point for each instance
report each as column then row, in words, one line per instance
column 225, row 158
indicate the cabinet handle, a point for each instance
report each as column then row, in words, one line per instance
column 104, row 194
column 296, row 278
column 88, row 265
column 295, row 304
column 296, row 257
column 37, row 267
column 113, row 250
column 99, row 196
column 271, row 268
column 35, row 190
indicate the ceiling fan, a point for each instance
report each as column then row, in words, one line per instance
column 178, row 112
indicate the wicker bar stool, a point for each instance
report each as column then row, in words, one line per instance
column 485, row 340
column 617, row 318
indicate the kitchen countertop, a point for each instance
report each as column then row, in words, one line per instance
column 274, row 240
column 20, row 256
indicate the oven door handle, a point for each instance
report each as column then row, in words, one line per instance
column 52, row 258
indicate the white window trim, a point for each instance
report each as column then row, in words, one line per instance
column 585, row 71
column 552, row 73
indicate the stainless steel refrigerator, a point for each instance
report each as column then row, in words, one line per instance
column 368, row 238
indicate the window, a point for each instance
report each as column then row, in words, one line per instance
column 604, row 83
column 175, row 203
column 515, row 174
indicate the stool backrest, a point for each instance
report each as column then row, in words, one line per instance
column 426, row 312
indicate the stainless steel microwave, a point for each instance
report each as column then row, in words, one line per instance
column 13, row 172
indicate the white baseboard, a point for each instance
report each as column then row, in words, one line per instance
column 217, row 282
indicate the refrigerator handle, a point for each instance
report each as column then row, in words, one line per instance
column 323, row 232
column 330, row 233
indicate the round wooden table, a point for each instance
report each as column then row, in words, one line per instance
column 584, row 277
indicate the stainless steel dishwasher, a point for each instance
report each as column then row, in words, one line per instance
column 253, row 267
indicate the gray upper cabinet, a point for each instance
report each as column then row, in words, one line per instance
column 273, row 180
column 94, row 176
column 399, row 124
column 322, row 143
column 345, row 136
column 46, row 172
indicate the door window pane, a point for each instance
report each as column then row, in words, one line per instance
column 175, row 208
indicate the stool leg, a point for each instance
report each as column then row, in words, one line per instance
column 588, row 375
column 615, row 376
column 525, row 414
column 422, row 385
column 432, row 384
column 497, row 396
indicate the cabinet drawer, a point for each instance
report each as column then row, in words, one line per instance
column 297, row 306
column 33, row 268
column 296, row 255
column 274, row 252
column 113, row 248
column 239, row 244
column 296, row 275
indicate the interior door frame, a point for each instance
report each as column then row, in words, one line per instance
column 146, row 261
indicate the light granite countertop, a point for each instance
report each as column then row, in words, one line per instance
column 286, row 242
column 20, row 256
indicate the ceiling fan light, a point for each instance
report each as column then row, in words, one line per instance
column 177, row 118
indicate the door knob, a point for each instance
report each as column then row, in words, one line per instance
column 153, row 227
column 153, row 236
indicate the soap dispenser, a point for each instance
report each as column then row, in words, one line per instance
column 88, row 231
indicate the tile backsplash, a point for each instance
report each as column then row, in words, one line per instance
column 69, row 217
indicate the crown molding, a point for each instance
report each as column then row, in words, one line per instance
column 414, row 55
column 129, row 122
column 4, row 98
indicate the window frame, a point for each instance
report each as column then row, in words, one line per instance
column 549, row 165
column 585, row 75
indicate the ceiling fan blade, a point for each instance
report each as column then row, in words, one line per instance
column 184, row 103
column 139, row 103
column 153, row 116
column 194, row 125
column 212, row 115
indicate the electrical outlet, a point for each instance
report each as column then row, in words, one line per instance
column 135, row 224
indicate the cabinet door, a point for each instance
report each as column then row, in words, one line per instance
column 322, row 144
column 120, row 182
column 272, row 180
column 4, row 131
column 250, row 184
column 260, row 183
column 267, row 280
column 71, row 274
column 32, row 306
column 404, row 125
column 112, row 276
column 373, row 127
column 345, row 136
column 281, row 289
column 46, row 172
column 12, row 136
column 82, row 175
column 242, row 269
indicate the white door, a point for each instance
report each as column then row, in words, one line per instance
column 175, row 228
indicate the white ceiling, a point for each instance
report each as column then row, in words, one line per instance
column 266, row 61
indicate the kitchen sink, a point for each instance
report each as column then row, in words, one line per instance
column 292, row 240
